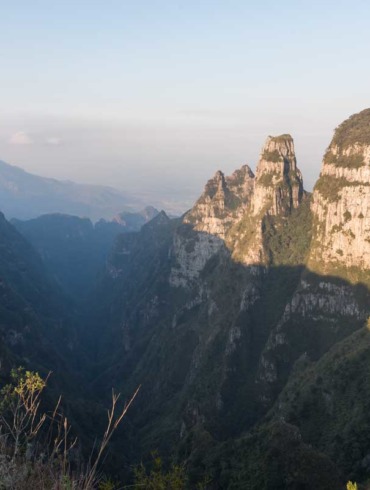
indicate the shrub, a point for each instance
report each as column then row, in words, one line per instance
column 36, row 446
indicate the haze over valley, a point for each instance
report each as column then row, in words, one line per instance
column 185, row 246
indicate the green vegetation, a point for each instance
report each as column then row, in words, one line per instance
column 336, row 229
column 350, row 161
column 352, row 486
column 159, row 479
column 272, row 457
column 232, row 201
column 334, row 394
column 242, row 236
column 287, row 240
column 272, row 156
column 213, row 357
column 281, row 138
column 267, row 179
column 36, row 446
column 356, row 129
column 329, row 187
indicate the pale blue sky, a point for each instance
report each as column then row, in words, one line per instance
column 157, row 95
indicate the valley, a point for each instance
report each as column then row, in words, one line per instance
column 245, row 322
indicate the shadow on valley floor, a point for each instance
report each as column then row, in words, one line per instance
column 217, row 346
column 253, row 376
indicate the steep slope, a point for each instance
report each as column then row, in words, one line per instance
column 278, row 190
column 223, row 201
column 279, row 184
column 234, row 211
column 34, row 318
column 24, row 196
column 192, row 337
column 322, row 312
column 73, row 249
column 333, row 394
column 341, row 203
column 133, row 221
column 213, row 314
column 67, row 246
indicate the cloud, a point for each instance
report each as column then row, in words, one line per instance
column 53, row 140
column 20, row 138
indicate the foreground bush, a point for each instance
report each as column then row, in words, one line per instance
column 36, row 447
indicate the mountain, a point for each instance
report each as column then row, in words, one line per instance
column 73, row 249
column 24, row 196
column 35, row 317
column 231, row 316
column 245, row 321
column 341, row 203
column 133, row 221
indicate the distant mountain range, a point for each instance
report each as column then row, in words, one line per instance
column 246, row 323
column 24, row 195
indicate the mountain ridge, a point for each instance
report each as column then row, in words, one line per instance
column 25, row 195
column 217, row 325
column 242, row 329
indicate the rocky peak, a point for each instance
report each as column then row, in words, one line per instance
column 341, row 203
column 161, row 219
column 233, row 208
column 348, row 155
column 223, row 201
column 277, row 154
column 240, row 182
column 279, row 184
column 133, row 221
column 216, row 186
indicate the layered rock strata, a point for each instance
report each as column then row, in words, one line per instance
column 341, row 203
column 279, row 183
column 224, row 200
column 278, row 189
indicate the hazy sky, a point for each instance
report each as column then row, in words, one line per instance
column 155, row 96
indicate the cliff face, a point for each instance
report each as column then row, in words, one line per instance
column 34, row 323
column 223, row 201
column 341, row 203
column 231, row 212
column 325, row 311
column 217, row 311
column 279, row 184
column 278, row 190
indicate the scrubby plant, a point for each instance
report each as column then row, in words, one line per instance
column 351, row 486
column 36, row 446
column 158, row 479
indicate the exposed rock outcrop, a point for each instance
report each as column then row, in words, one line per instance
column 279, row 184
column 321, row 313
column 278, row 189
column 218, row 311
column 223, row 201
column 341, row 203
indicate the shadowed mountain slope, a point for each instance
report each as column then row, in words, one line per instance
column 246, row 324
column 215, row 313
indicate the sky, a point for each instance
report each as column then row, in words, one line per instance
column 153, row 97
